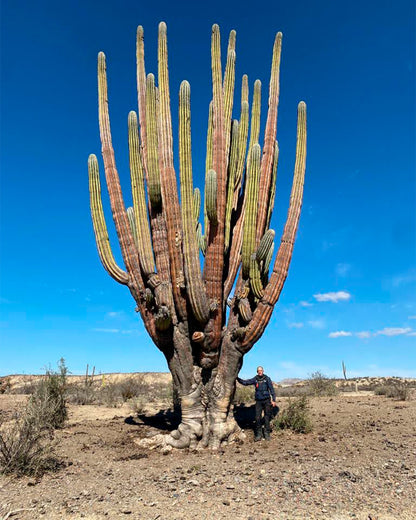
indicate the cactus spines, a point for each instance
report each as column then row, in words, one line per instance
column 265, row 244
column 194, row 286
column 249, row 231
column 183, row 309
column 211, row 196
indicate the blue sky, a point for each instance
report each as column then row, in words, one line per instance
column 350, row 293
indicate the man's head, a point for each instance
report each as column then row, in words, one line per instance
column 260, row 371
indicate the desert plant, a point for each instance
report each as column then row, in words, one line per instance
column 25, row 442
column 344, row 370
column 320, row 385
column 243, row 394
column 182, row 307
column 295, row 416
column 399, row 391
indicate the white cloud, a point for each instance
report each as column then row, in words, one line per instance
column 339, row 334
column 393, row 331
column 411, row 333
column 111, row 331
column 411, row 317
column 295, row 325
column 363, row 334
column 333, row 297
column 317, row 324
column 114, row 314
column 342, row 270
column 305, row 304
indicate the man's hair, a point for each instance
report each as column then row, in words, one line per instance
column 261, row 368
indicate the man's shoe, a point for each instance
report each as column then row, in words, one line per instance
column 257, row 438
column 267, row 436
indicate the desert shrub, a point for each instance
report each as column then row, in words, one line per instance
column 5, row 385
column 26, row 442
column 399, row 391
column 320, row 385
column 292, row 391
column 81, row 394
column 243, row 394
column 138, row 404
column 295, row 416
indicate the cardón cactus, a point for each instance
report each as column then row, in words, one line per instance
column 183, row 307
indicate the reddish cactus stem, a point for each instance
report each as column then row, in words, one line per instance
column 269, row 140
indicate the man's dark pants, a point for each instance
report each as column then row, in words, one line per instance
column 265, row 405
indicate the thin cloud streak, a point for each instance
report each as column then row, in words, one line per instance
column 333, row 297
column 339, row 334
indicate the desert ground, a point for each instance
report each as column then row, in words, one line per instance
column 359, row 462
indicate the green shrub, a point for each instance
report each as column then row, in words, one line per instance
column 244, row 394
column 320, row 385
column 295, row 416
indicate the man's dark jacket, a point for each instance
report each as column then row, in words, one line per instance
column 264, row 387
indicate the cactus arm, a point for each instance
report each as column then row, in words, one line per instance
column 255, row 277
column 155, row 195
column 214, row 259
column 241, row 151
column 208, row 164
column 264, row 310
column 132, row 221
column 265, row 244
column 272, row 185
column 139, row 199
column 195, row 288
column 232, row 167
column 228, row 90
column 100, row 228
column 197, row 205
column 128, row 248
column 168, row 178
column 249, row 228
column 211, row 190
column 269, row 139
column 141, row 92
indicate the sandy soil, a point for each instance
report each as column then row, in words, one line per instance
column 358, row 463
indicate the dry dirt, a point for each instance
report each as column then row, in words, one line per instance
column 358, row 463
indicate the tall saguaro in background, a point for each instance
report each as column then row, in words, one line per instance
column 183, row 307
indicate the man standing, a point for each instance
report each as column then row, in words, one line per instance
column 265, row 399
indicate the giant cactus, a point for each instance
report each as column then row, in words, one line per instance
column 183, row 307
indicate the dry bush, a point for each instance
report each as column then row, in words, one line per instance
column 319, row 385
column 399, row 391
column 26, row 442
column 244, row 394
column 292, row 391
column 295, row 416
column 81, row 394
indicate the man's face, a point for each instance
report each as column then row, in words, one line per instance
column 260, row 371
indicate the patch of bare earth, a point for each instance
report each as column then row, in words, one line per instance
column 358, row 463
